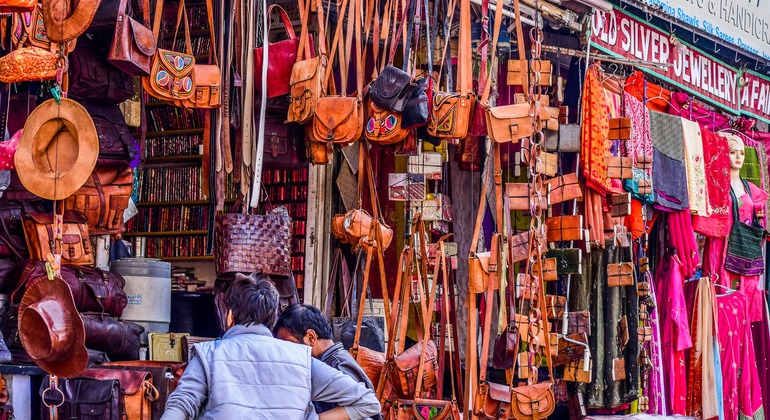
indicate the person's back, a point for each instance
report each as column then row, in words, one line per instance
column 252, row 372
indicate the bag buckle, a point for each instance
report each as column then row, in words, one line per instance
column 513, row 128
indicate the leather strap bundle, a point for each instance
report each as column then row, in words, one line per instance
column 133, row 43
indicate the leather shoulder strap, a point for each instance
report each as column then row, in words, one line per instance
column 490, row 297
column 464, row 63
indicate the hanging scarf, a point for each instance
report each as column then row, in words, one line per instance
column 594, row 146
column 641, row 140
column 696, row 171
column 750, row 170
column 716, row 159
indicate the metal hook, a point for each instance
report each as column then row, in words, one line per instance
column 694, row 37
column 648, row 16
column 716, row 50
column 737, row 59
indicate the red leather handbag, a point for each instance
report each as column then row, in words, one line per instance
column 283, row 55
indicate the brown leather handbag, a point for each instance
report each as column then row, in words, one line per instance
column 354, row 227
column 207, row 77
column 74, row 246
column 133, row 43
column 307, row 83
column 479, row 266
column 103, row 199
column 136, row 390
column 171, row 73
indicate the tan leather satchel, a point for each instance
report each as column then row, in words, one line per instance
column 307, row 83
column 354, row 227
column 171, row 73
column 74, row 246
column 103, row 199
column 208, row 77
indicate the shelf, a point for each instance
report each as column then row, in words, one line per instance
column 196, row 258
column 182, row 132
column 169, row 233
column 172, row 159
column 172, row 203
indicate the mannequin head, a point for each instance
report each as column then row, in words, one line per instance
column 737, row 152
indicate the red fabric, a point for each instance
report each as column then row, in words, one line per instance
column 716, row 156
column 657, row 98
column 8, row 151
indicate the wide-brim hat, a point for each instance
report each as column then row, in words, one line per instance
column 58, row 149
column 66, row 20
column 50, row 328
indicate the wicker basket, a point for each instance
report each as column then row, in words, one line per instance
column 252, row 243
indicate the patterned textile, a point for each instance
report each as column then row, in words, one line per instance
column 641, row 141
column 656, row 392
column 717, row 165
column 696, row 170
column 703, row 401
column 632, row 185
column 667, row 135
column 751, row 171
column 594, row 146
column 670, row 180
column 742, row 394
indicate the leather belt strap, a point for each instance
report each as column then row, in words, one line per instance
column 495, row 38
column 464, row 64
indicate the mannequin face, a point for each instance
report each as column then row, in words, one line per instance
column 737, row 155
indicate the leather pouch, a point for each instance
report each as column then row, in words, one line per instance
column 133, row 43
column 645, row 187
column 555, row 305
column 532, row 402
column 579, row 322
column 506, row 348
column 206, row 93
column 417, row 109
column 549, row 270
column 136, row 390
column 620, row 129
column 519, row 72
column 383, row 126
column 619, row 167
column 75, row 245
column 519, row 247
column 568, row 260
column 566, row 140
column 510, row 123
column 337, row 120
column 83, row 398
column 478, row 273
column 546, row 163
column 568, row 351
column 575, row 372
column 644, row 265
column 392, row 89
column 523, row 325
column 644, row 162
column 451, row 115
column 618, row 369
column 28, row 65
column 491, row 400
column 620, row 205
column 519, row 196
column 565, row 228
column 620, row 274
column 564, row 188
column 165, row 376
column 306, row 87
column 171, row 73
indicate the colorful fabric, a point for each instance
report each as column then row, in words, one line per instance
column 655, row 97
column 656, row 392
column 594, row 146
column 641, row 140
column 703, row 400
column 750, row 171
column 667, row 134
column 669, row 178
column 676, row 331
column 717, row 166
column 742, row 394
column 696, row 170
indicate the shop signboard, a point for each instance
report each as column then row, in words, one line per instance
column 622, row 35
column 742, row 24
column 755, row 95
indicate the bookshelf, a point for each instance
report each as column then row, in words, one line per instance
column 175, row 217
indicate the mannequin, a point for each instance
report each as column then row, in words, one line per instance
column 737, row 156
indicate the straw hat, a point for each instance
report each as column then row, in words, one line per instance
column 50, row 328
column 58, row 149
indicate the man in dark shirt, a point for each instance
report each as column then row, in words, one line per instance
column 305, row 324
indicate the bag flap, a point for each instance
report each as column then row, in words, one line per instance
column 525, row 394
column 100, row 290
column 426, row 409
column 178, row 64
column 207, row 75
column 390, row 82
column 483, row 258
column 74, row 217
column 130, row 380
column 442, row 98
column 143, row 39
column 70, row 238
column 410, row 359
column 511, row 111
column 499, row 392
column 333, row 111
column 304, row 70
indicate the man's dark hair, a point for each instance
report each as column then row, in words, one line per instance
column 253, row 300
column 297, row 319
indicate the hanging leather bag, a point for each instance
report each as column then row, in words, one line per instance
column 165, row 377
column 103, row 199
column 307, row 83
column 171, row 73
column 133, row 43
column 12, row 242
column 92, row 78
column 81, row 398
column 208, row 77
column 74, row 245
column 136, row 390
column 283, row 55
column 28, row 29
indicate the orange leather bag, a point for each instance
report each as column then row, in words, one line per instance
column 383, row 126
column 307, row 82
column 103, row 199
column 171, row 73
column 75, row 245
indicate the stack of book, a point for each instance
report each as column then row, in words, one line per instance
column 183, row 279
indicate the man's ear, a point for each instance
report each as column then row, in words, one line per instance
column 311, row 337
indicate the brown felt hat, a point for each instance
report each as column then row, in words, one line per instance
column 58, row 149
column 62, row 23
column 50, row 328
